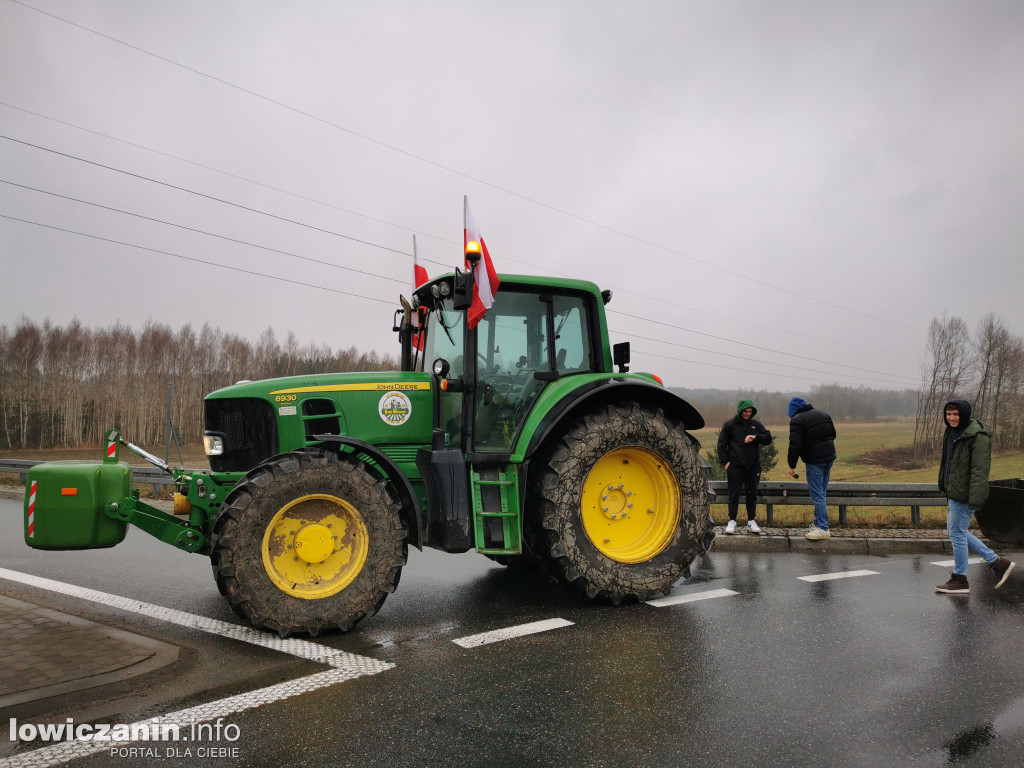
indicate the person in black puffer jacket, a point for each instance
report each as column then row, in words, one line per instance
column 739, row 451
column 812, row 438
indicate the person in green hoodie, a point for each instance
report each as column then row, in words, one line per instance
column 963, row 477
column 739, row 451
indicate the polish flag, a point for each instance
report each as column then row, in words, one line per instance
column 419, row 277
column 485, row 279
column 419, row 274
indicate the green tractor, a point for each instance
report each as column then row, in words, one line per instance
column 518, row 439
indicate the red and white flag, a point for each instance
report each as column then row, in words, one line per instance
column 419, row 277
column 485, row 279
column 419, row 274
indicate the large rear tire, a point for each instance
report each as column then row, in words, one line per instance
column 308, row 542
column 620, row 504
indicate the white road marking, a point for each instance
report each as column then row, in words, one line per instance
column 662, row 602
column 497, row 635
column 345, row 666
column 832, row 576
column 350, row 662
column 61, row 752
column 951, row 563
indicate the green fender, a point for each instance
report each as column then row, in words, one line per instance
column 570, row 397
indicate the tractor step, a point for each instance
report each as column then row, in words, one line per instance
column 496, row 520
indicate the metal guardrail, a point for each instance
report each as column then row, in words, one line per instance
column 843, row 495
column 769, row 493
column 144, row 474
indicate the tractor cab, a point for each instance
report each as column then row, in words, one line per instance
column 489, row 377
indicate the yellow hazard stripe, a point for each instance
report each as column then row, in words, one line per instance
column 372, row 387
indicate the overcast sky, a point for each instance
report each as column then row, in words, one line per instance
column 779, row 194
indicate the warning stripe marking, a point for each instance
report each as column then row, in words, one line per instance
column 833, row 576
column 497, row 635
column 692, row 597
column 32, row 509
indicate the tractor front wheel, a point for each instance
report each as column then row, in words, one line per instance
column 621, row 504
column 307, row 542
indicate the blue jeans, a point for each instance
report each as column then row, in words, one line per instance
column 817, row 482
column 957, row 522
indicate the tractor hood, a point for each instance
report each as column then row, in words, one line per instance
column 251, row 421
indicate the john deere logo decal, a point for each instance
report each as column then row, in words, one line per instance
column 395, row 408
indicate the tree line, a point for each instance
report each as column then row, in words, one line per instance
column 65, row 386
column 841, row 402
column 985, row 367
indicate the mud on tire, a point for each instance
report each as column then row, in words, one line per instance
column 335, row 507
column 570, row 518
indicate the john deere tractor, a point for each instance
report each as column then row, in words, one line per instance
column 516, row 438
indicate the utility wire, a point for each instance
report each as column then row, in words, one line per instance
column 542, row 268
column 463, row 174
column 198, row 261
column 210, row 234
column 733, row 368
column 344, row 293
column 222, row 172
column 751, row 360
column 211, row 197
column 754, row 346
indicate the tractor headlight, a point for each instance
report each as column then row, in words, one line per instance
column 214, row 444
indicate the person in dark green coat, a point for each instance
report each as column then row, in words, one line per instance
column 963, row 477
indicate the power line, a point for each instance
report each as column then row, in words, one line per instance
column 751, row 360
column 436, row 237
column 209, row 197
column 197, row 260
column 463, row 174
column 753, row 346
column 365, row 242
column 231, row 175
column 731, row 367
column 204, row 232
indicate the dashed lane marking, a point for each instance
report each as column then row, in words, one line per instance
column 663, row 602
column 833, row 576
column 951, row 563
column 497, row 635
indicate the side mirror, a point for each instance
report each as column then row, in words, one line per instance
column 462, row 297
column 620, row 356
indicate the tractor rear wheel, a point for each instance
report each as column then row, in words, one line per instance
column 621, row 504
column 307, row 542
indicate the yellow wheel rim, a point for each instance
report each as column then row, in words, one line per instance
column 315, row 546
column 630, row 505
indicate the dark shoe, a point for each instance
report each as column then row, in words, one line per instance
column 957, row 585
column 1002, row 568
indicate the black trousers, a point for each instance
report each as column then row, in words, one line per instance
column 743, row 479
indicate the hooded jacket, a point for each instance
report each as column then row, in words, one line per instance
column 811, row 436
column 966, row 459
column 731, row 445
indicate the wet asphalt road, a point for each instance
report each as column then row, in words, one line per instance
column 869, row 670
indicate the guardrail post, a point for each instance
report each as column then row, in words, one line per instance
column 915, row 515
column 770, row 519
column 842, row 514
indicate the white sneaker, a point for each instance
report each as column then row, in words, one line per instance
column 753, row 527
column 730, row 527
column 816, row 533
